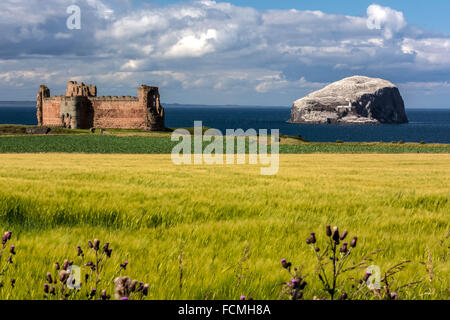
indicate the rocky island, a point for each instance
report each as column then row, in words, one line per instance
column 353, row 100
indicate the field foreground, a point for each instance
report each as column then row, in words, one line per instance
column 152, row 212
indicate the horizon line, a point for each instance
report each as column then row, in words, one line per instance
column 229, row 105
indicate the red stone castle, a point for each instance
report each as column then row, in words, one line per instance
column 80, row 108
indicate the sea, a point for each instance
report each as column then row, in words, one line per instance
column 427, row 124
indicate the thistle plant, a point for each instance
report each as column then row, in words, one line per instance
column 293, row 288
column 127, row 289
column 445, row 245
column 332, row 261
column 64, row 284
column 387, row 288
column 240, row 269
column 5, row 265
column 59, row 281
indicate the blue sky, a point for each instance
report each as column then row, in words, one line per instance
column 430, row 15
column 250, row 52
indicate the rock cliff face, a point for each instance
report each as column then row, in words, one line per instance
column 356, row 100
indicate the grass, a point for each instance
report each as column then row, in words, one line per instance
column 13, row 139
column 151, row 210
column 160, row 143
column 18, row 129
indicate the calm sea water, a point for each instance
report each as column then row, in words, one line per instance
column 429, row 125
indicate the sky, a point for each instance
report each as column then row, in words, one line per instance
column 431, row 15
column 246, row 52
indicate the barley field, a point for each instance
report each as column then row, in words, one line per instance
column 219, row 232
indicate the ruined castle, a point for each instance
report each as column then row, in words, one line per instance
column 80, row 108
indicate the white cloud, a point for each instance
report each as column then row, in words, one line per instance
column 386, row 19
column 193, row 45
column 193, row 49
column 103, row 10
column 278, row 82
column 428, row 51
column 21, row 76
column 432, row 85
column 62, row 35
column 131, row 64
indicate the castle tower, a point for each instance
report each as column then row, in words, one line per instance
column 150, row 99
column 44, row 92
column 75, row 89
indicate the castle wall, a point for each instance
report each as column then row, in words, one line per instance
column 118, row 113
column 80, row 108
column 51, row 115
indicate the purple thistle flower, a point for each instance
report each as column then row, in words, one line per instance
column 133, row 285
column 96, row 244
column 90, row 244
column 108, row 252
column 46, row 288
column 52, row 291
column 9, row 233
column 145, row 289
column 336, row 234
column 93, row 292
column 313, row 237
column 285, row 264
column 124, row 298
column 303, row 285
column 344, row 248
column 65, row 264
column 79, row 251
column 353, row 243
column 328, row 231
column 106, row 247
column 49, row 277
column 57, row 267
column 295, row 283
column 343, row 235
column 242, row 298
column 367, row 276
column 12, row 250
column 63, row 276
column 394, row 295
column 124, row 265
column 10, row 260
